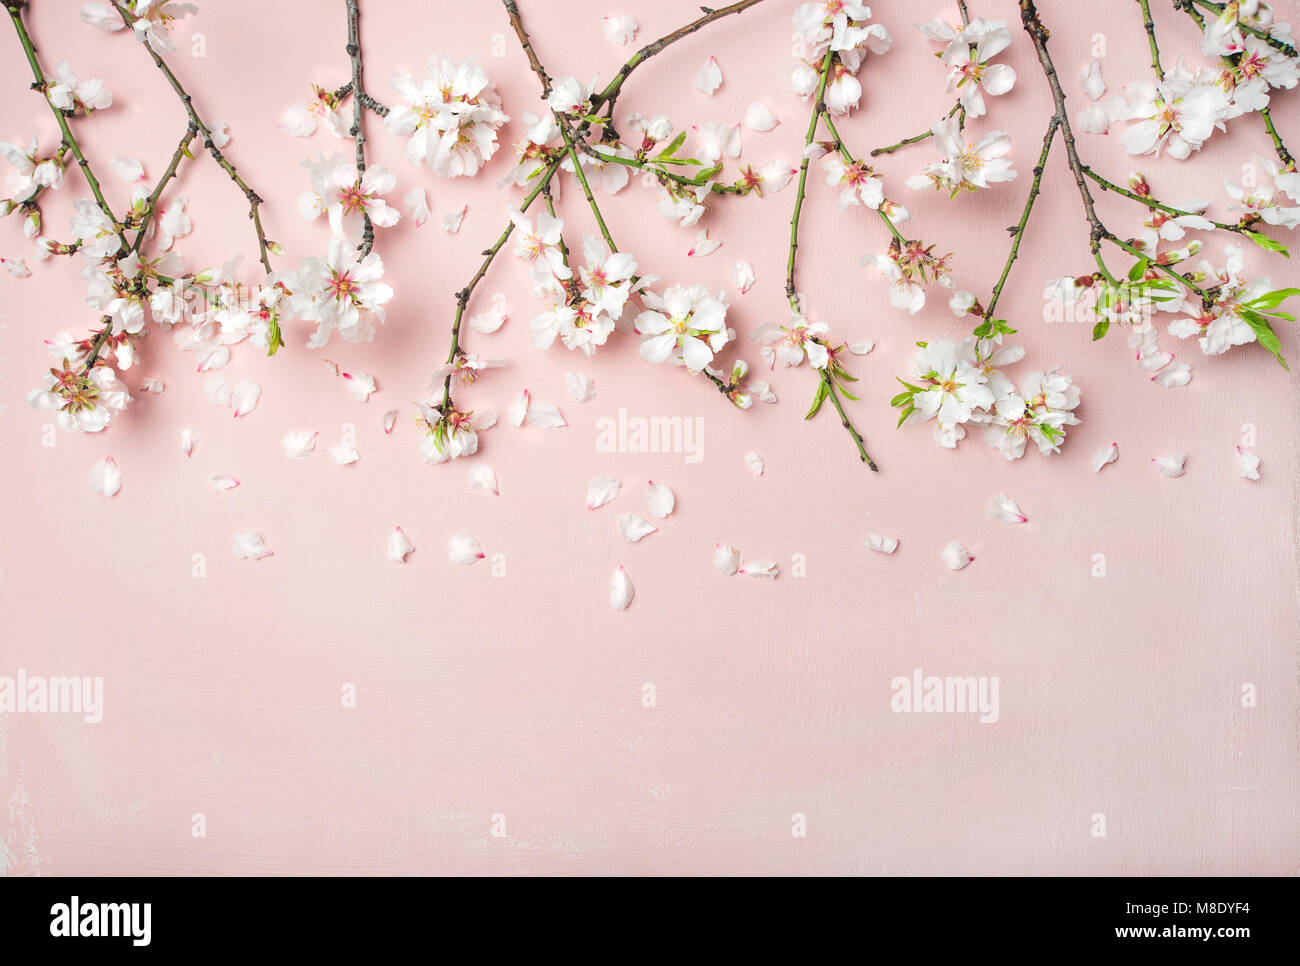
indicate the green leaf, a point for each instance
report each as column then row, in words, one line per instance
column 1138, row 270
column 848, row 395
column 1270, row 244
column 1100, row 328
column 901, row 399
column 822, row 392
column 983, row 330
column 902, row 417
column 1271, row 300
column 669, row 151
column 1266, row 336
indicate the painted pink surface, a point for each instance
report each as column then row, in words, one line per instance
column 521, row 695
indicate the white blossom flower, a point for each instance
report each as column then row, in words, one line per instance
column 790, row 344
column 963, row 166
column 1177, row 114
column 69, row 94
column 30, row 171
column 452, row 116
column 347, row 199
column 542, row 241
column 967, row 58
column 341, row 292
column 569, row 96
column 301, row 120
column 686, row 325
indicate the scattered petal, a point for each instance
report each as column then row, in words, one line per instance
column 189, row 439
column 389, row 421
column 1247, row 464
column 518, row 410
column 218, row 390
column 220, row 134
column 489, row 321
column 580, row 387
column 217, row 357
column 755, row 463
column 244, row 396
column 861, row 348
column 1091, row 81
column 1170, row 466
column 221, row 482
column 759, row 117
column 601, row 490
column 399, row 545
column 621, row 591
column 150, row 384
column 105, row 477
column 127, row 168
column 464, row 549
column 344, row 453
column 299, row 444
column 703, row 245
column 359, row 384
column 956, row 556
column 545, row 415
column 760, row 568
column 742, row 276
column 452, row 221
column 881, row 544
column 1174, row 376
column 620, row 30
column 660, row 499
column 1006, row 509
column 632, row 527
column 1108, row 454
column 709, row 78
column 483, row 477
column 726, row 558
column 417, row 206
column 250, row 546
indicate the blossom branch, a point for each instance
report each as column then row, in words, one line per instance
column 182, row 151
column 254, row 199
column 567, row 133
column 819, row 107
column 1151, row 203
column 1151, row 38
column 1217, row 9
column 15, row 9
column 516, row 22
column 359, row 107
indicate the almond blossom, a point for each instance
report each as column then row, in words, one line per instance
column 686, row 325
column 71, row 95
column 341, row 292
column 301, row 120
column 348, row 199
column 963, row 166
column 1177, row 114
column 451, row 116
column 967, row 58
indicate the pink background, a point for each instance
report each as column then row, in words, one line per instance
column 521, row 695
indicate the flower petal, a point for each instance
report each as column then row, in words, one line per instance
column 1006, row 509
column 755, row 463
column 1247, row 464
column 660, row 499
column 956, row 556
column 105, row 477
column 726, row 558
column 881, row 544
column 621, row 590
column 581, row 388
column 250, row 546
column 399, row 546
column 464, row 549
column 632, row 527
column 483, row 477
column 1108, row 454
column 1170, row 466
column 601, row 490
column 709, row 77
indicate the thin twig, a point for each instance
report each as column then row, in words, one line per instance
column 358, row 130
column 253, row 198
column 1018, row 231
column 182, row 150
column 1277, row 43
column 1151, row 38
column 819, row 108
column 512, row 9
column 829, row 383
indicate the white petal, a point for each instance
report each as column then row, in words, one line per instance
column 759, row 117
column 105, row 477
column 220, row 136
column 244, row 396
column 389, row 421
column 218, row 357
column 299, row 444
column 726, row 558
column 703, row 245
column 127, row 168
column 417, row 206
column 1091, row 81
column 452, row 221
column 489, row 321
column 1108, row 454
column 222, row 482
column 189, row 439
column 360, row 385
column 956, row 556
column 1173, row 376
column 399, row 546
column 881, row 544
column 150, row 384
column 755, row 463
column 518, row 410
column 742, row 276
column 249, row 545
column 464, row 549
column 632, row 527
column 621, row 591
column 709, row 78
column 601, row 490
column 1247, row 464
column 1170, row 466
column 344, row 453
column 545, row 415
column 660, row 499
column 483, row 477
column 861, row 348
column 760, row 568
column 1006, row 509
column 218, row 390
column 581, row 388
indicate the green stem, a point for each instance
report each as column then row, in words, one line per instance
column 182, row 150
column 1217, row 8
column 582, row 179
column 915, row 138
column 640, row 165
column 1151, row 38
column 819, row 108
column 1177, row 277
column 844, row 421
column 1019, row 231
column 1285, row 156
column 1157, row 205
column 69, row 139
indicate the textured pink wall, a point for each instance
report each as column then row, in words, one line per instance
column 521, row 695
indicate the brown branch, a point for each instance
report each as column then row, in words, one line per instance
column 512, row 9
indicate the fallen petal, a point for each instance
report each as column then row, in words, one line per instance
column 601, row 490
column 759, row 117
column 483, row 477
column 632, row 528
column 726, row 558
column 1006, row 509
column 580, row 387
column 399, row 546
column 755, row 463
column 956, row 556
column 660, row 499
column 1247, row 464
column 1108, row 454
column 464, row 549
column 249, row 545
column 621, row 591
column 1170, row 466
column 105, row 477
column 881, row 544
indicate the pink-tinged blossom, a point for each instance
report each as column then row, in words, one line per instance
column 450, row 117
column 341, row 292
